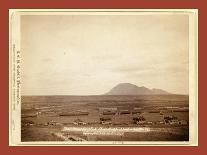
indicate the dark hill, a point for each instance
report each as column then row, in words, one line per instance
column 131, row 89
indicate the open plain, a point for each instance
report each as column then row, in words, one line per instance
column 105, row 118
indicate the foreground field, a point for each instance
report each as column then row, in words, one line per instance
column 105, row 134
column 105, row 118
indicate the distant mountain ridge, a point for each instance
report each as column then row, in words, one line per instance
column 131, row 89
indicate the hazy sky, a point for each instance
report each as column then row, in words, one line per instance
column 84, row 55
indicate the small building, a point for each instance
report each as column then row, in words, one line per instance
column 139, row 120
column 52, row 122
column 161, row 122
column 169, row 119
column 106, row 123
column 149, row 122
column 108, row 111
column 123, row 112
column 105, row 120
column 79, row 122
column 174, row 122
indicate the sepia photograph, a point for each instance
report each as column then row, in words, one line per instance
column 103, row 77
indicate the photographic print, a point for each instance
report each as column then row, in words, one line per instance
column 103, row 77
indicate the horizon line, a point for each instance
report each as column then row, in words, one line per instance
column 104, row 95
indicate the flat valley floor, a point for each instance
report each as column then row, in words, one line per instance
column 105, row 118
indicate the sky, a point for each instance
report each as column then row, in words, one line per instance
column 90, row 54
